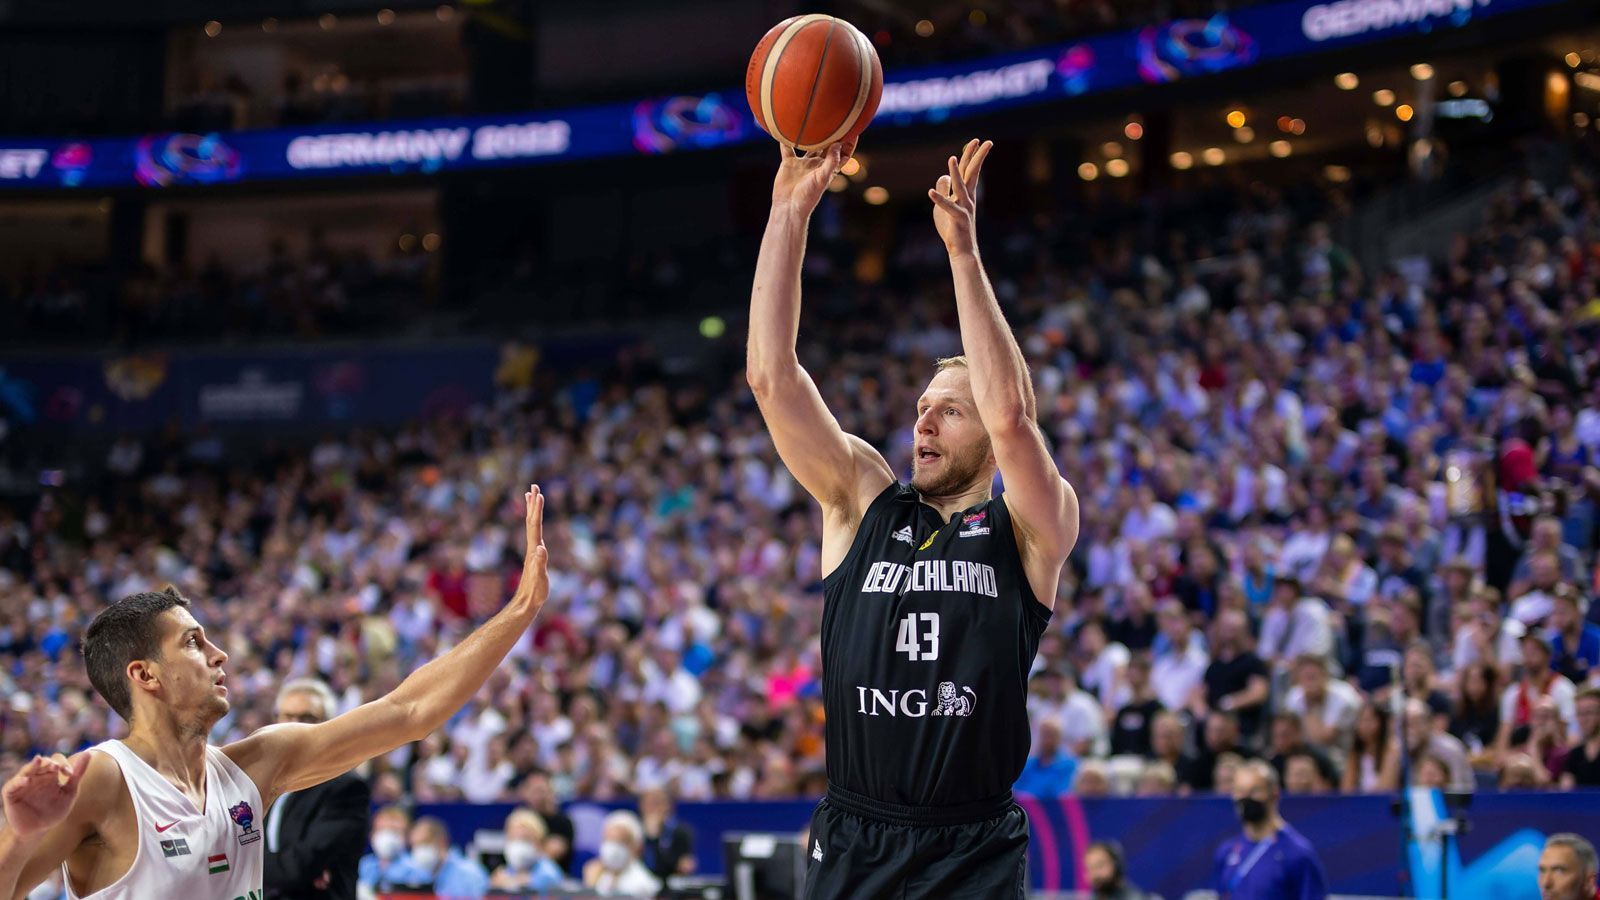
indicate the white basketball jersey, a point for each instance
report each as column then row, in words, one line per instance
column 209, row 854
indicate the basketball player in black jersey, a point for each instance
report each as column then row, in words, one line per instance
column 936, row 592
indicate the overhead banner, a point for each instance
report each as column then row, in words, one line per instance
column 1173, row 51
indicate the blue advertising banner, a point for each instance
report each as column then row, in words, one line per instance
column 1171, row 842
column 331, row 386
column 1161, row 54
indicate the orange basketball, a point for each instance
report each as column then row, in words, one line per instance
column 813, row 81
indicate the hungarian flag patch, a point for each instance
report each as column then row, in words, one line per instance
column 218, row 863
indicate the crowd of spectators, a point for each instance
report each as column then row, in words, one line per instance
column 325, row 291
column 1304, row 487
column 952, row 29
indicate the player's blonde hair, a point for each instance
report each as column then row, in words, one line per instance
column 950, row 362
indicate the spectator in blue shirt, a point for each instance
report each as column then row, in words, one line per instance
column 388, row 857
column 1574, row 642
column 437, row 866
column 1048, row 772
column 1270, row 860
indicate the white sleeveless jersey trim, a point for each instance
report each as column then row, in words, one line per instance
column 215, row 853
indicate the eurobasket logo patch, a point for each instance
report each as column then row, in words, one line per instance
column 217, row 864
column 974, row 525
column 244, row 817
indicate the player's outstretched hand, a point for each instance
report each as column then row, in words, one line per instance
column 955, row 198
column 801, row 180
column 534, row 586
column 41, row 793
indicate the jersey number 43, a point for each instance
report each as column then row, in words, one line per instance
column 919, row 644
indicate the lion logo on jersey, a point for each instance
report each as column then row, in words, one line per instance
column 951, row 704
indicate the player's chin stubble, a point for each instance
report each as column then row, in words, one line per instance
column 957, row 477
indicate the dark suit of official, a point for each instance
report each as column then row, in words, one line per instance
column 322, row 829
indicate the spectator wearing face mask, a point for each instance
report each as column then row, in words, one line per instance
column 618, row 871
column 1269, row 859
column 435, row 865
column 378, row 868
column 527, row 869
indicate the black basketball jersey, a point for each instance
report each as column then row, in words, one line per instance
column 929, row 629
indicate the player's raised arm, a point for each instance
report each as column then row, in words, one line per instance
column 1041, row 501
column 293, row 757
column 44, row 820
column 836, row 468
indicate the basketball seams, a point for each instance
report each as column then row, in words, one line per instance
column 816, row 81
column 863, row 86
column 770, row 69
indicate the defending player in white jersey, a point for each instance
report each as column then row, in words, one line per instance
column 162, row 813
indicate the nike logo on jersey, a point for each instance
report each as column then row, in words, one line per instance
column 957, row 575
column 904, row 534
column 162, row 828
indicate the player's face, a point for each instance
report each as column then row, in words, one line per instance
column 192, row 682
column 952, row 449
column 1561, row 877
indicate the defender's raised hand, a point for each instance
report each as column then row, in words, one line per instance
column 801, row 180
column 534, row 585
column 42, row 792
column 955, row 199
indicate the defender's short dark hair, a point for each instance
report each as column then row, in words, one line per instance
column 123, row 632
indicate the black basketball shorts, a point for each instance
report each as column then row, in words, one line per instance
column 858, row 853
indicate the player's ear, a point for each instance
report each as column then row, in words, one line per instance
column 145, row 675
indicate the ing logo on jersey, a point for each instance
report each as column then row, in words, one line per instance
column 913, row 704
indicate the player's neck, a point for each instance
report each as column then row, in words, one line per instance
column 950, row 504
column 177, row 752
